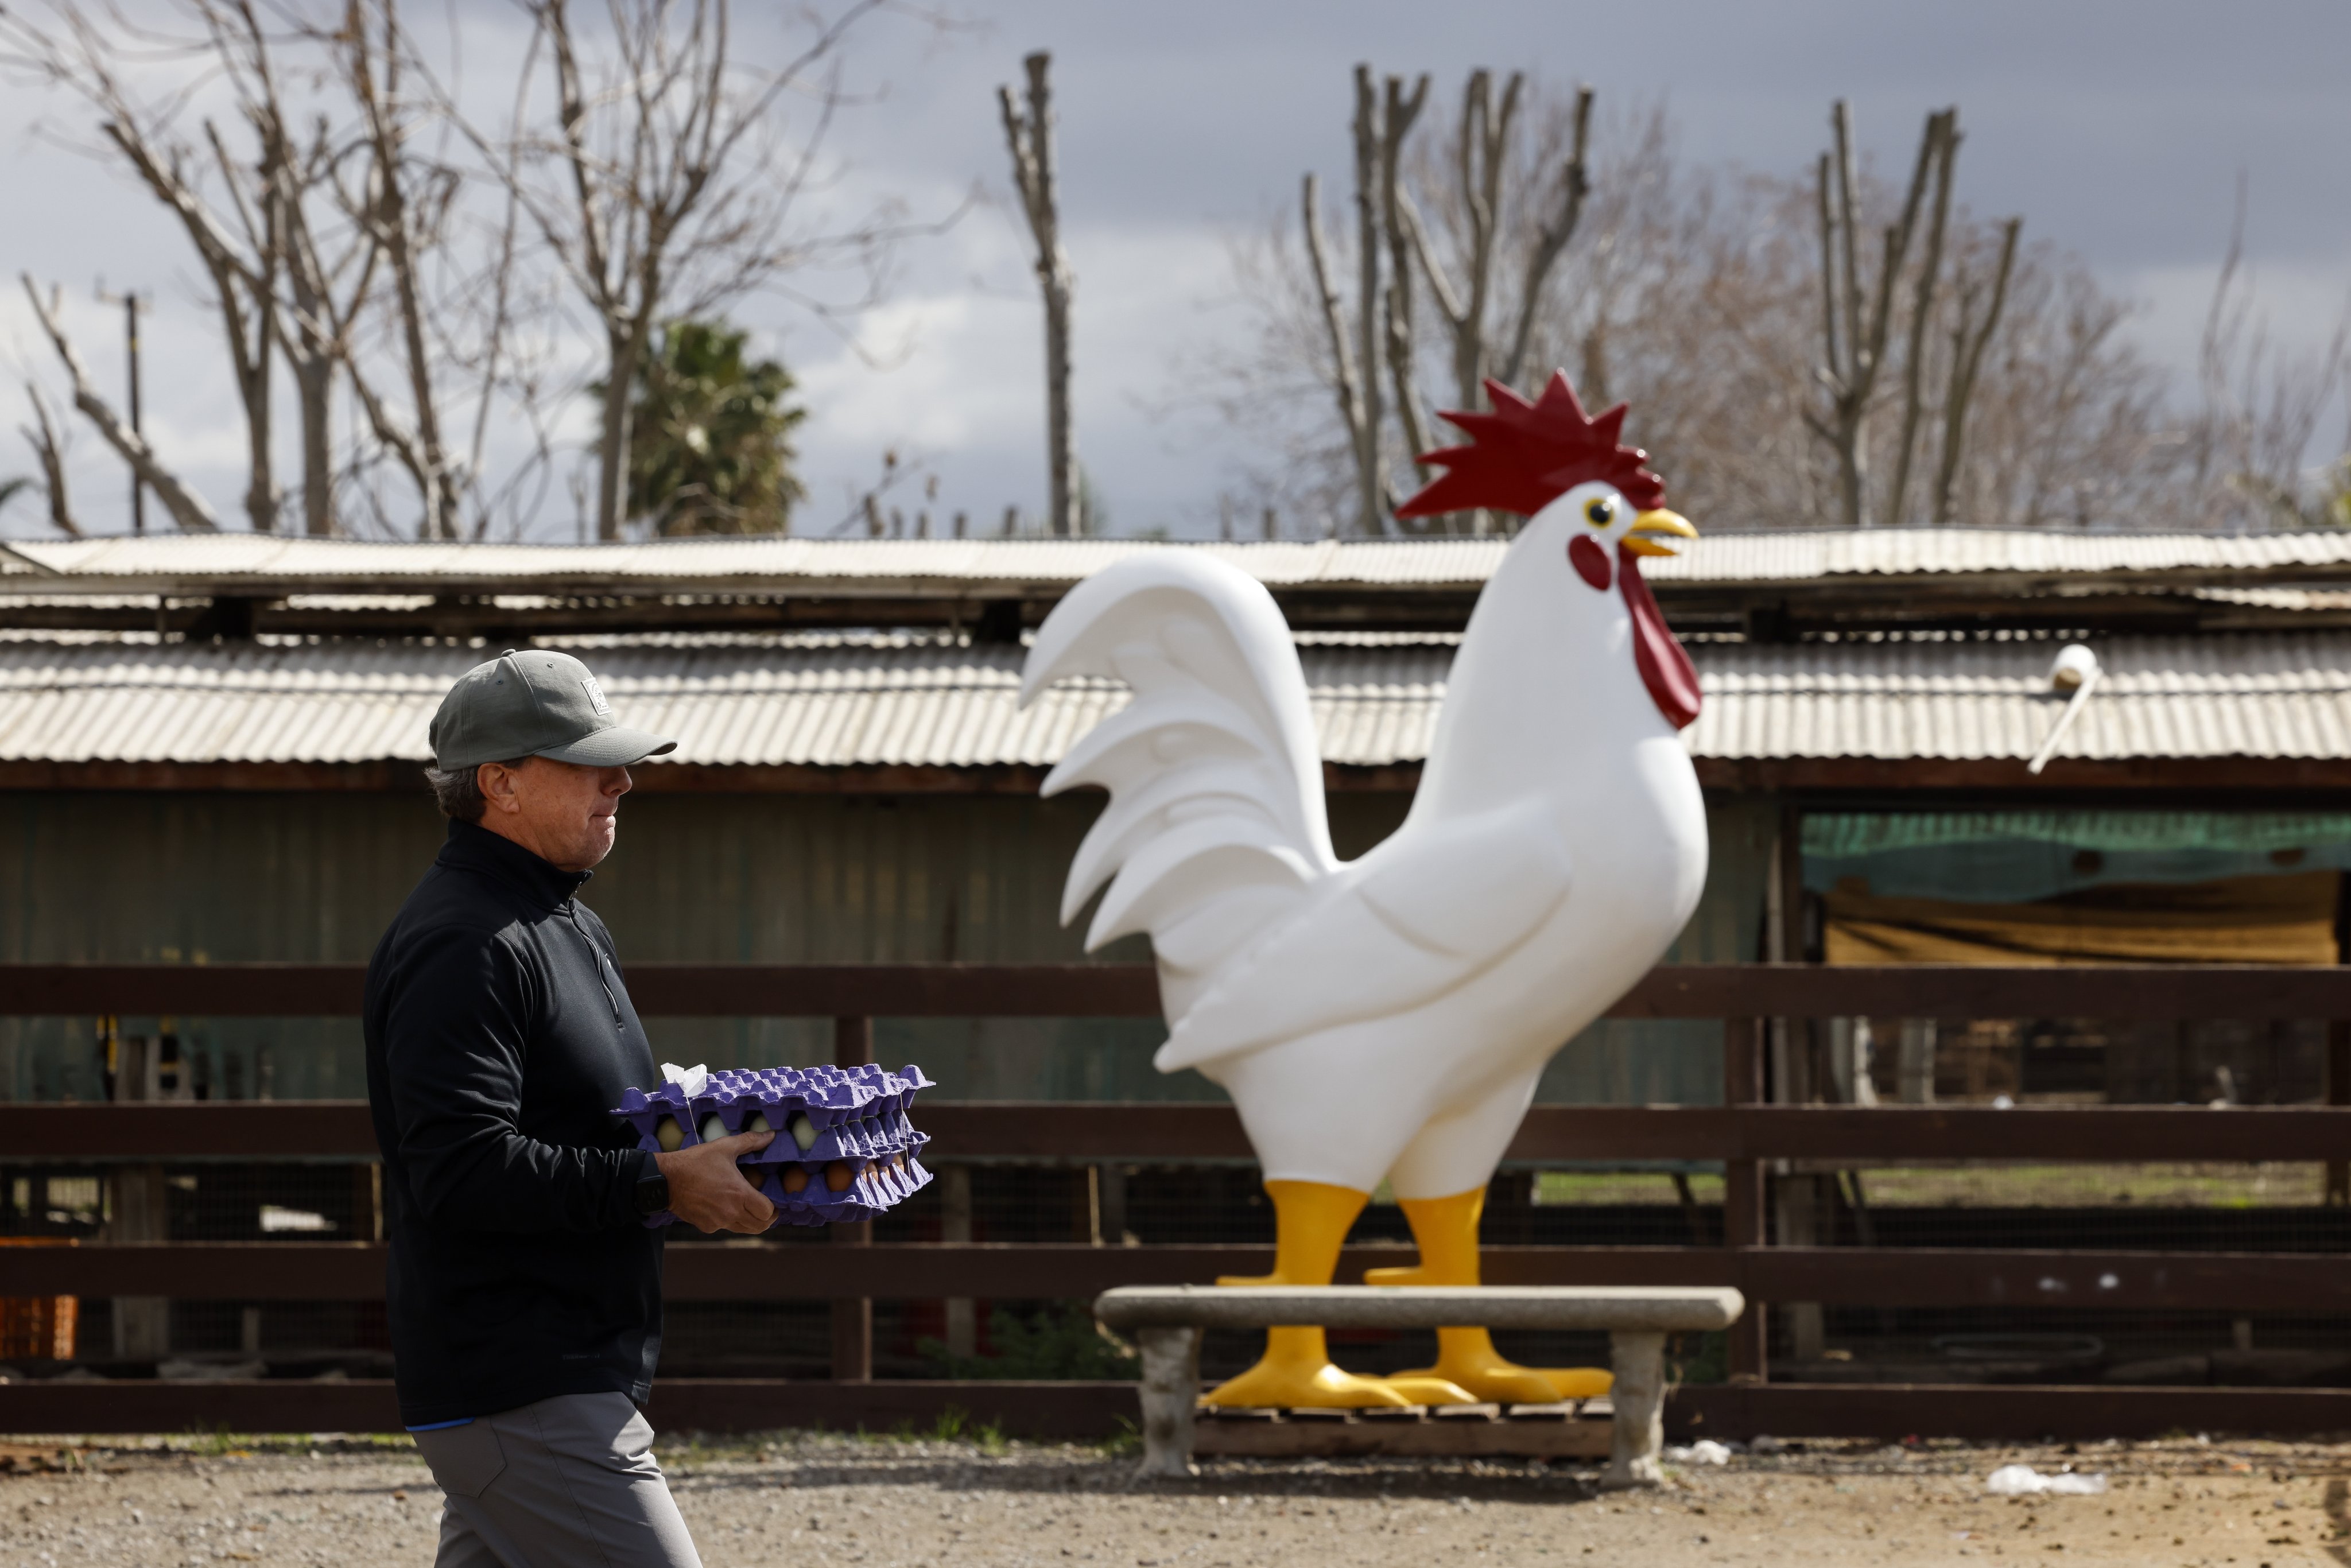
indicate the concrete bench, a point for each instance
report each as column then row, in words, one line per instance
column 1167, row 1321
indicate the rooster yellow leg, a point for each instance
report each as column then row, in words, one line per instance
column 1311, row 1219
column 1446, row 1229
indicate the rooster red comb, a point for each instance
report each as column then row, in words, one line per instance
column 1525, row 456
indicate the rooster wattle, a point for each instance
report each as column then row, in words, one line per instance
column 1388, row 1017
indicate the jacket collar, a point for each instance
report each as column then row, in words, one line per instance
column 472, row 848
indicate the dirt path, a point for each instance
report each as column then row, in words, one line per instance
column 869, row 1503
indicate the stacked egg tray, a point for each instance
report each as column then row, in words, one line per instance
column 845, row 1150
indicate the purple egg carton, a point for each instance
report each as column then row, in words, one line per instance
column 876, row 1186
column 853, row 1114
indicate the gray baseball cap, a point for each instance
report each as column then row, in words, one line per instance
column 535, row 703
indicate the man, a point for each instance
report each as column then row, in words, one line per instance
column 524, row 1292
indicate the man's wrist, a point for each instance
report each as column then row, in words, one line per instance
column 651, row 1195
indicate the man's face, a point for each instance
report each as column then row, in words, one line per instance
column 560, row 812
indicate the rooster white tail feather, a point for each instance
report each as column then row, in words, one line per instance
column 1216, row 827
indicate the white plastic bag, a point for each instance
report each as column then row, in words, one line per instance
column 1705, row 1451
column 2023, row 1480
column 693, row 1080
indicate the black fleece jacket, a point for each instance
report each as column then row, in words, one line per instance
column 499, row 1037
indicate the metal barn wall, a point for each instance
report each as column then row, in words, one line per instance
column 199, row 877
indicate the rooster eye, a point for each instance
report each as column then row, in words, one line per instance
column 1602, row 512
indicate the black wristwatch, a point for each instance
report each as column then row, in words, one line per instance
column 652, row 1194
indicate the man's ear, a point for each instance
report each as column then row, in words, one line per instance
column 497, row 782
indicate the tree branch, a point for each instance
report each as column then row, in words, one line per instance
column 1366, row 128
column 1399, row 110
column 1943, row 144
column 187, row 509
column 1574, row 185
column 42, row 437
column 1344, row 385
column 1967, row 357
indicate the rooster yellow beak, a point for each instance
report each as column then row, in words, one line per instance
column 1657, row 522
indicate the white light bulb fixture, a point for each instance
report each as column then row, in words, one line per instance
column 2075, row 670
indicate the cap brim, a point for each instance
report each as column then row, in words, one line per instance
column 618, row 747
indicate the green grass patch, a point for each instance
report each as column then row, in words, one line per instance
column 1058, row 1344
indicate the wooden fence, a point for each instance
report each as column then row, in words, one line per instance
column 1743, row 1133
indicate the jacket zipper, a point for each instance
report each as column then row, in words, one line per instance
column 571, row 912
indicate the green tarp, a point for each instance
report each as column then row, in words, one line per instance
column 2016, row 856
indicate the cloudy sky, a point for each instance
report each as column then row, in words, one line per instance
column 2118, row 128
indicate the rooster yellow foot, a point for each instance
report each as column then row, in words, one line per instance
column 1467, row 1359
column 1446, row 1229
column 1310, row 1220
column 1487, row 1376
column 1296, row 1374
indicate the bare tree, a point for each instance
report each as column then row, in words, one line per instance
column 83, row 50
column 1471, row 198
column 1399, row 108
column 2258, row 405
column 1345, row 378
column 662, row 184
column 1551, row 239
column 1971, row 335
column 1697, row 293
column 1480, row 155
column 1030, row 137
column 1854, row 338
column 1371, row 485
column 371, row 50
column 1943, row 134
column 341, row 246
column 187, row 509
column 288, row 278
column 1378, row 368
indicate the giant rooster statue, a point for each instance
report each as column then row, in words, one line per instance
column 1387, row 1016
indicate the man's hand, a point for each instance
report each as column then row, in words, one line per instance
column 707, row 1190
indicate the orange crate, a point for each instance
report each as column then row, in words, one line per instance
column 35, row 1328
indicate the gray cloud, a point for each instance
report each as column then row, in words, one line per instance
column 2118, row 128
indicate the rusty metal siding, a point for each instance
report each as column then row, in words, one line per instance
column 227, row 877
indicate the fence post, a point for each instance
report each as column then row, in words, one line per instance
column 1743, row 1190
column 954, row 1225
column 2338, row 1093
column 853, row 1318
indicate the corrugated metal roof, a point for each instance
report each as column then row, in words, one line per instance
column 189, row 561
column 2255, row 695
column 847, row 701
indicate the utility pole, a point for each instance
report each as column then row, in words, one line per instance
column 132, row 303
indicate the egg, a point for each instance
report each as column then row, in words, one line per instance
column 839, row 1175
column 713, row 1128
column 669, row 1134
column 803, row 1132
column 758, row 1124
column 795, row 1178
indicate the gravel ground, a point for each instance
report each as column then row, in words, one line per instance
column 849, row 1502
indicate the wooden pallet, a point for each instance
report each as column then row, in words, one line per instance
column 1562, row 1431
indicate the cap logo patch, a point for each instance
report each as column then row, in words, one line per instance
column 596, row 696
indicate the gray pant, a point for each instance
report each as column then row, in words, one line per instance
column 569, row 1480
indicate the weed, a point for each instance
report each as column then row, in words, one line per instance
column 1126, row 1440
column 1071, row 1346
